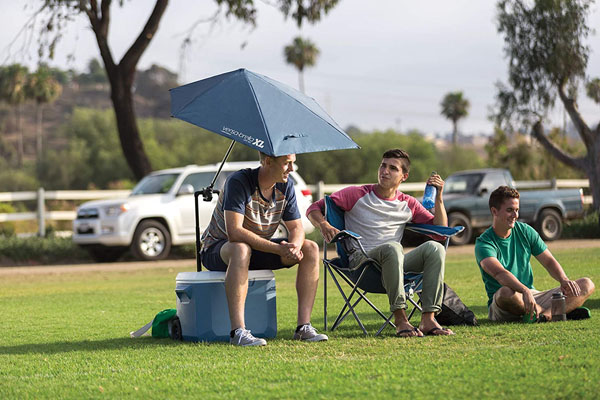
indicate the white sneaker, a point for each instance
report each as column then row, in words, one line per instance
column 243, row 337
column 308, row 333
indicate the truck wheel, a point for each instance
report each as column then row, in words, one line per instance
column 104, row 254
column 151, row 241
column 456, row 219
column 549, row 225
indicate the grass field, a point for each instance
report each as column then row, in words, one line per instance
column 66, row 336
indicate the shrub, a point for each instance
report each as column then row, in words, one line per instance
column 7, row 228
column 37, row 250
column 586, row 228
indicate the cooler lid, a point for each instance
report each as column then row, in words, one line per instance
column 218, row 276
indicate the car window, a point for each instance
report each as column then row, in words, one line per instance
column 201, row 180
column 462, row 184
column 492, row 180
column 155, row 184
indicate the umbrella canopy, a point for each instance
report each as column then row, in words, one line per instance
column 259, row 112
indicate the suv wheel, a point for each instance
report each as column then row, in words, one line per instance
column 151, row 241
column 281, row 232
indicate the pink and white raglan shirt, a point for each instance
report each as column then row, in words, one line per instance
column 377, row 220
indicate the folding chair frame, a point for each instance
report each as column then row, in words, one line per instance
column 413, row 282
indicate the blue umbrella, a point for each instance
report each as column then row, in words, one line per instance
column 259, row 112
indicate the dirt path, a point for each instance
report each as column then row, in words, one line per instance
column 191, row 263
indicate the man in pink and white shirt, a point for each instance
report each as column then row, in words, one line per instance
column 379, row 213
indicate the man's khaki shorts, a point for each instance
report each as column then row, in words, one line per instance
column 543, row 299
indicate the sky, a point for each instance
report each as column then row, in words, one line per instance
column 383, row 64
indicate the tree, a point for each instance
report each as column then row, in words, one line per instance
column 301, row 53
column 454, row 107
column 121, row 73
column 544, row 42
column 44, row 89
column 13, row 80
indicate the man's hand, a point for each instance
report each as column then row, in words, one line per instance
column 529, row 302
column 436, row 181
column 290, row 252
column 328, row 231
column 570, row 288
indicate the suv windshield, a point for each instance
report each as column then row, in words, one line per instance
column 462, row 184
column 155, row 184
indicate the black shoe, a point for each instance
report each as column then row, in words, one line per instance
column 579, row 313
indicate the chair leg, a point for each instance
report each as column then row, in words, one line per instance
column 362, row 297
column 325, row 268
column 346, row 300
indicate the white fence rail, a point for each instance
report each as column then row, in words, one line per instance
column 320, row 189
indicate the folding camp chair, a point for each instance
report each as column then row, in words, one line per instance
column 368, row 279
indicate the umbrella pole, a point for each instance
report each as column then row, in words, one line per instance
column 208, row 191
column 206, row 196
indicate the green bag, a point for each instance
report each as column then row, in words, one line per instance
column 160, row 324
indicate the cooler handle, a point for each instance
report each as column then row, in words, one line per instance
column 184, row 294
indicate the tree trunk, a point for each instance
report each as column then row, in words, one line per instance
column 129, row 135
column 454, row 132
column 39, row 139
column 20, row 146
column 301, row 81
column 592, row 171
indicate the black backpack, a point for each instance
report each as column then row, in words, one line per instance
column 454, row 311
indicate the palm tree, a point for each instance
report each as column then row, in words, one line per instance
column 44, row 89
column 455, row 107
column 12, row 90
column 301, row 53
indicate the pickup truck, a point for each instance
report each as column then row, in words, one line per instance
column 466, row 196
column 159, row 213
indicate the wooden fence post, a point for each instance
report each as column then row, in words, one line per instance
column 41, row 212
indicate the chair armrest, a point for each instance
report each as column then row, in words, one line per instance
column 437, row 230
column 342, row 235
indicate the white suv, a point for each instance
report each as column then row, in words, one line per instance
column 159, row 213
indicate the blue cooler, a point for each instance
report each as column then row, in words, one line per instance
column 202, row 305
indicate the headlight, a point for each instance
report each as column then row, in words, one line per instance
column 116, row 209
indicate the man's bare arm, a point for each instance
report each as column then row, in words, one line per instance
column 237, row 233
column 318, row 220
column 494, row 268
column 440, row 217
column 556, row 271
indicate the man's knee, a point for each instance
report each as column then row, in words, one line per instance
column 505, row 294
column 434, row 247
column 391, row 249
column 310, row 249
column 238, row 251
column 587, row 286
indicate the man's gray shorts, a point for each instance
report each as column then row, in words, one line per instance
column 543, row 299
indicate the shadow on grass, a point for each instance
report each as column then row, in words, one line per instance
column 592, row 304
column 91, row 345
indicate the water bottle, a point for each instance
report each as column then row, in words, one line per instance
column 429, row 195
column 559, row 307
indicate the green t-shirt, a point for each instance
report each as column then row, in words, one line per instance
column 514, row 254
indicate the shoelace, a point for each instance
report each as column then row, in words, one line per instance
column 244, row 333
column 308, row 328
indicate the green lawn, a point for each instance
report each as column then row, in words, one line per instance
column 66, row 336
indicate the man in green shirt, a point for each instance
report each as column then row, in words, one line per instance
column 503, row 252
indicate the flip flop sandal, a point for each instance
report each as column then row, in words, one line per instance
column 432, row 332
column 414, row 329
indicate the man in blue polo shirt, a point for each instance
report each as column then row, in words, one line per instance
column 238, row 238
column 503, row 252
